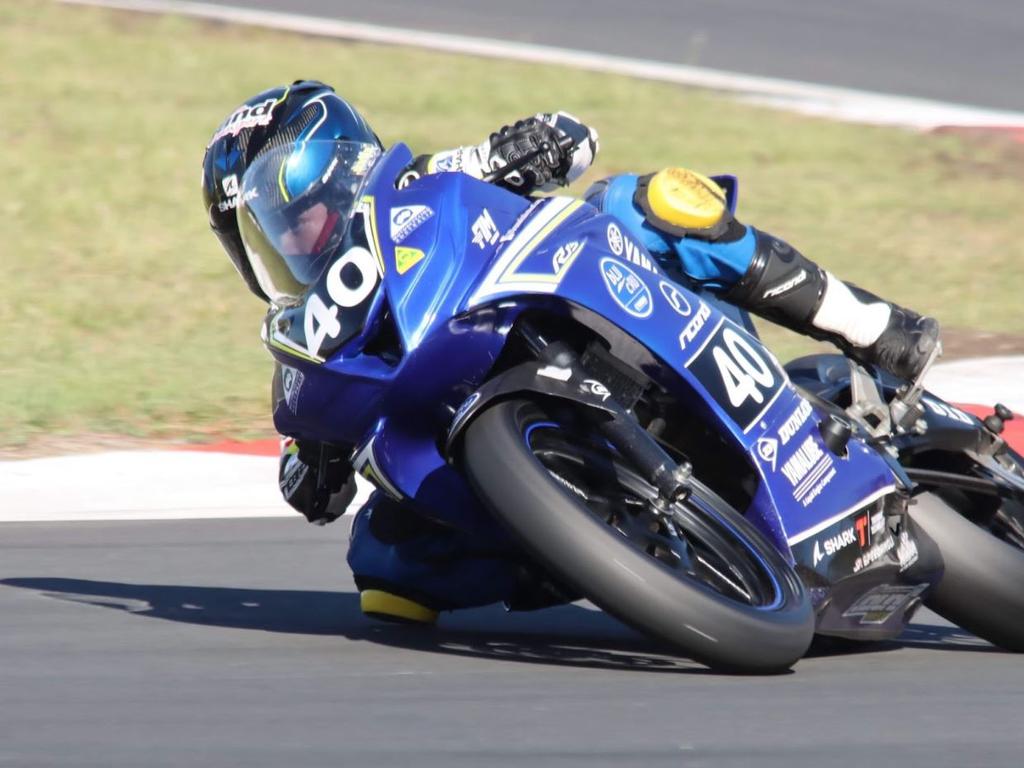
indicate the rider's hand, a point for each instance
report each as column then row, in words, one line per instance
column 554, row 165
column 585, row 145
column 320, row 502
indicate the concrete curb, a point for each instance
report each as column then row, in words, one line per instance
column 232, row 479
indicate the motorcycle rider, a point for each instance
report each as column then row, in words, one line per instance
column 676, row 212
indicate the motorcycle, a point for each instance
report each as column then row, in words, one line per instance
column 492, row 360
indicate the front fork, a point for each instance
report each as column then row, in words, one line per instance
column 618, row 426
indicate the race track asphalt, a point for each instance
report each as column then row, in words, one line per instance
column 217, row 643
column 240, row 642
column 948, row 50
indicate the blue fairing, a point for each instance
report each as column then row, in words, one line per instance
column 460, row 260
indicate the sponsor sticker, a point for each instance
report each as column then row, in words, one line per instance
column 906, row 551
column 406, row 258
column 230, row 187
column 445, row 162
column 878, row 604
column 626, row 287
column 689, row 333
column 636, row 256
column 809, row 470
column 595, row 387
column 615, row 242
column 874, row 553
column 796, row 420
column 947, row 410
column 291, row 382
column 675, row 297
column 406, row 219
column 294, row 473
column 831, row 545
column 565, row 256
column 621, row 245
column 768, row 450
column 246, row 116
column 485, row 232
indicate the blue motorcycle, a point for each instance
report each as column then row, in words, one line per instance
column 501, row 361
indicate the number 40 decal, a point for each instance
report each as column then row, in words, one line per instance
column 744, row 372
column 321, row 321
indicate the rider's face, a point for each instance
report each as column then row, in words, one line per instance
column 301, row 238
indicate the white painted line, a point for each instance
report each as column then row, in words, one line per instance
column 143, row 485
column 806, row 98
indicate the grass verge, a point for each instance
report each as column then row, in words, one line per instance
column 123, row 316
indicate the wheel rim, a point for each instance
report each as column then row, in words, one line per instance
column 696, row 543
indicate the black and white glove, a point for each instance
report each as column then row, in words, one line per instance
column 551, row 167
column 320, row 500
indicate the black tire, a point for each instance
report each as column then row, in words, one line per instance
column 982, row 584
column 768, row 633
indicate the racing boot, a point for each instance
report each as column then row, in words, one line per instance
column 787, row 288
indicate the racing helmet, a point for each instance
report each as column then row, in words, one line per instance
column 305, row 111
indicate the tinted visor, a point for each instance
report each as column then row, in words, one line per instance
column 294, row 206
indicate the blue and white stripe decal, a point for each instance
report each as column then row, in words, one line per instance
column 505, row 276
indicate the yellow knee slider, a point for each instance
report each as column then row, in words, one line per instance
column 391, row 607
column 683, row 203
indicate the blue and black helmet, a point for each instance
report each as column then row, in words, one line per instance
column 306, row 115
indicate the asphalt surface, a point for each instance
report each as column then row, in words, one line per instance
column 240, row 642
column 948, row 50
column 158, row 643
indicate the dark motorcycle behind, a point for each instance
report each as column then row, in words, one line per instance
column 968, row 494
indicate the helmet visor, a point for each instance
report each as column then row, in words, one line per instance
column 294, row 207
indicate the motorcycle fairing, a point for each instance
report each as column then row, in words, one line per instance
column 725, row 370
column 412, row 302
column 487, row 256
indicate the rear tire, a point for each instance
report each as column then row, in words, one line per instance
column 982, row 585
column 561, row 524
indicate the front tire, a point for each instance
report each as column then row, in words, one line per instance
column 579, row 508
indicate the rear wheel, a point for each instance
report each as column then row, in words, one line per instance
column 982, row 584
column 701, row 578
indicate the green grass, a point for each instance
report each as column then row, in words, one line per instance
column 121, row 314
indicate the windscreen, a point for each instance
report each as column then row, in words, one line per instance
column 295, row 205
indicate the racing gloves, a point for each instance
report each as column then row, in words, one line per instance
column 320, row 499
column 555, row 161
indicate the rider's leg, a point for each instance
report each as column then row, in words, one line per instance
column 766, row 276
column 408, row 568
column 785, row 287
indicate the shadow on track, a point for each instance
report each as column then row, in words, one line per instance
column 566, row 635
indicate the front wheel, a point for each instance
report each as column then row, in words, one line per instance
column 702, row 579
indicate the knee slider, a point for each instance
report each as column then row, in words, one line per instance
column 684, row 203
